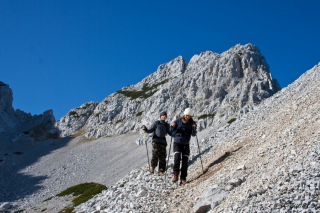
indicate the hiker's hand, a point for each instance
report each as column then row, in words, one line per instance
column 143, row 127
column 173, row 124
column 195, row 126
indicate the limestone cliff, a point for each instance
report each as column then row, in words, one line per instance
column 218, row 87
column 14, row 122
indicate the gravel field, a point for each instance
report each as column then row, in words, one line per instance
column 39, row 171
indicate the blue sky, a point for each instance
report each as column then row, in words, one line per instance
column 60, row 54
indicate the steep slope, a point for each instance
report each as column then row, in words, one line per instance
column 266, row 161
column 218, row 87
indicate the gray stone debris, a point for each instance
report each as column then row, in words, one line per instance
column 273, row 166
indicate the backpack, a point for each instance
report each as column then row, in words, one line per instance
column 161, row 129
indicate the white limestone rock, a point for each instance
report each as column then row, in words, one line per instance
column 75, row 119
column 210, row 197
column 218, row 87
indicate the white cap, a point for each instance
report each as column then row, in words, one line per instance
column 188, row 111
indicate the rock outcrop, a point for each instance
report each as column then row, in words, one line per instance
column 218, row 87
column 75, row 119
column 14, row 122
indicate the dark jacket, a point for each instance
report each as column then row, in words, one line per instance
column 153, row 128
column 182, row 132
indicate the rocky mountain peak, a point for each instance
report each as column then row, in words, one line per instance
column 6, row 98
column 219, row 87
column 14, row 122
column 165, row 71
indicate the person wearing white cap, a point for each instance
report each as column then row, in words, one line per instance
column 182, row 130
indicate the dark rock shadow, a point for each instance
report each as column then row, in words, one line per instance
column 217, row 161
column 16, row 156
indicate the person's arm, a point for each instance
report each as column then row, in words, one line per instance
column 194, row 129
column 173, row 128
column 152, row 128
column 168, row 129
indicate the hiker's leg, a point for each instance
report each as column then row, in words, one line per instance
column 185, row 159
column 162, row 157
column 155, row 155
column 177, row 158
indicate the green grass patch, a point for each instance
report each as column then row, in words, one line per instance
column 47, row 199
column 118, row 121
column 142, row 93
column 139, row 114
column 84, row 192
column 73, row 114
column 206, row 116
column 231, row 120
column 86, row 106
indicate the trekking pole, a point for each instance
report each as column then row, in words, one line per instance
column 145, row 139
column 165, row 177
column 199, row 154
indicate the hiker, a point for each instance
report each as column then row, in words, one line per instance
column 182, row 130
column 159, row 143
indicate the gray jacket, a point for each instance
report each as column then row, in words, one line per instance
column 156, row 130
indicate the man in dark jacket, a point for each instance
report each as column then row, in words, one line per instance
column 182, row 130
column 159, row 143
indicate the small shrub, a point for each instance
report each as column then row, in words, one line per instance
column 86, row 106
column 73, row 113
column 139, row 114
column 206, row 116
column 47, row 199
column 118, row 121
column 231, row 120
column 21, row 210
column 142, row 93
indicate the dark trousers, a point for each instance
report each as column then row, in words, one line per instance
column 181, row 151
column 159, row 154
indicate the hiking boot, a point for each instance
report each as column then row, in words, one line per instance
column 175, row 177
column 152, row 169
column 160, row 173
column 183, row 182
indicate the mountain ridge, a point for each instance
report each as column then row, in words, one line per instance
column 225, row 84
